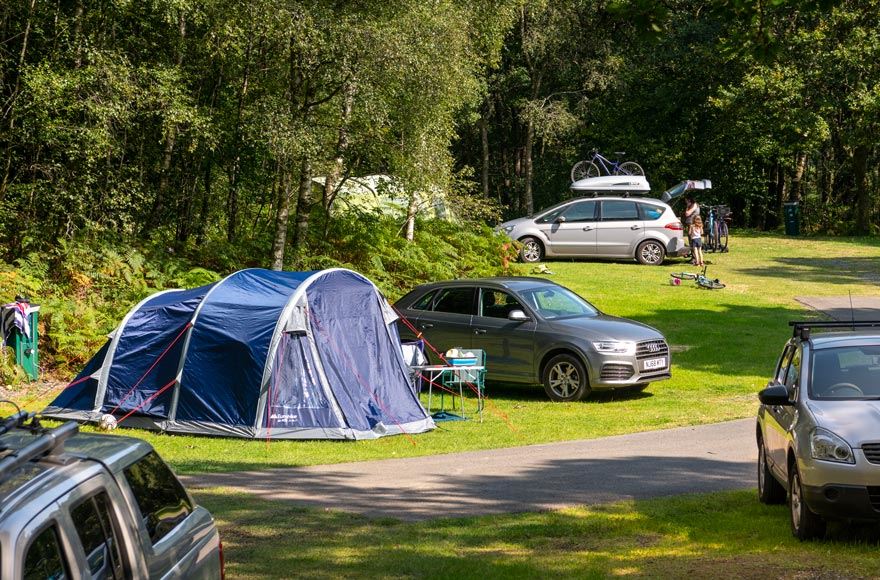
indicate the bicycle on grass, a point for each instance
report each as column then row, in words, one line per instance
column 717, row 232
column 599, row 165
column 701, row 279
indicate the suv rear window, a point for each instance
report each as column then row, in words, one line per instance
column 619, row 210
column 160, row 496
column 455, row 301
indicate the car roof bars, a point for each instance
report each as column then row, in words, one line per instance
column 13, row 421
column 801, row 328
column 49, row 442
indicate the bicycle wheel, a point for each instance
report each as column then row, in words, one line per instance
column 583, row 169
column 684, row 276
column 704, row 282
column 711, row 237
column 722, row 236
column 630, row 168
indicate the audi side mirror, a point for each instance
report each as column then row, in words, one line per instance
column 775, row 394
column 517, row 316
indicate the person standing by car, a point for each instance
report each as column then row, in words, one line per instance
column 695, row 233
column 691, row 211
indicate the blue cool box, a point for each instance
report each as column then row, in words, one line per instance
column 461, row 362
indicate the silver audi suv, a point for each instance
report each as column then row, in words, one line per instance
column 537, row 332
column 818, row 426
column 644, row 229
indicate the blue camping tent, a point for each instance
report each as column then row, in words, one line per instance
column 288, row 355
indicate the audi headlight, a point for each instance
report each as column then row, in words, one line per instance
column 507, row 229
column 827, row 446
column 615, row 347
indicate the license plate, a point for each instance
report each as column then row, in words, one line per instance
column 654, row 363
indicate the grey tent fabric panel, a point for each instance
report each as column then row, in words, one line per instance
column 297, row 397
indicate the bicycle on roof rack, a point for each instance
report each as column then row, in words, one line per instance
column 717, row 231
column 600, row 165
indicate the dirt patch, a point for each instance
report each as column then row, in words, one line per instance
column 33, row 396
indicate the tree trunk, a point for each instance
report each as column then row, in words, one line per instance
column 232, row 198
column 335, row 172
column 528, row 201
column 863, row 200
column 203, row 212
column 797, row 187
column 77, row 33
column 161, row 201
column 484, row 140
column 281, row 221
column 411, row 209
column 303, row 207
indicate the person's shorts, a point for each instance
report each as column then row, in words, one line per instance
column 696, row 243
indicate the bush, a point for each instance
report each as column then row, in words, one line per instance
column 86, row 287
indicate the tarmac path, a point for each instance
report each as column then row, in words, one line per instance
column 699, row 459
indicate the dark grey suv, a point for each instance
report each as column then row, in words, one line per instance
column 96, row 506
column 537, row 332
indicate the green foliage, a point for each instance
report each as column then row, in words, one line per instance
column 373, row 246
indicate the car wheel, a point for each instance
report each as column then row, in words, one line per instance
column 532, row 250
column 770, row 491
column 565, row 379
column 805, row 525
column 650, row 253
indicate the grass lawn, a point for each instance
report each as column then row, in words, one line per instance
column 720, row 535
column 725, row 343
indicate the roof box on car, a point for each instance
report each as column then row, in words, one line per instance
column 611, row 185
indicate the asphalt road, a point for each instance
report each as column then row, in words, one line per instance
column 699, row 459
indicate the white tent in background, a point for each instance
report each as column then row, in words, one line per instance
column 383, row 193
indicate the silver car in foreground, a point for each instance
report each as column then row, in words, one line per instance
column 96, row 506
column 644, row 229
column 818, row 427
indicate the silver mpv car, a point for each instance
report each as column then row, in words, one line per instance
column 644, row 229
column 818, row 429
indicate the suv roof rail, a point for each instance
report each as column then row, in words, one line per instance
column 801, row 328
column 49, row 442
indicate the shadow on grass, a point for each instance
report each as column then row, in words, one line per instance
column 685, row 536
column 543, row 485
column 836, row 270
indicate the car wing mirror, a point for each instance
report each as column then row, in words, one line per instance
column 517, row 315
column 775, row 394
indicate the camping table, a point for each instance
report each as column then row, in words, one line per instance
column 456, row 376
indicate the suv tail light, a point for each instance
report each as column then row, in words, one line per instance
column 674, row 226
column 222, row 563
